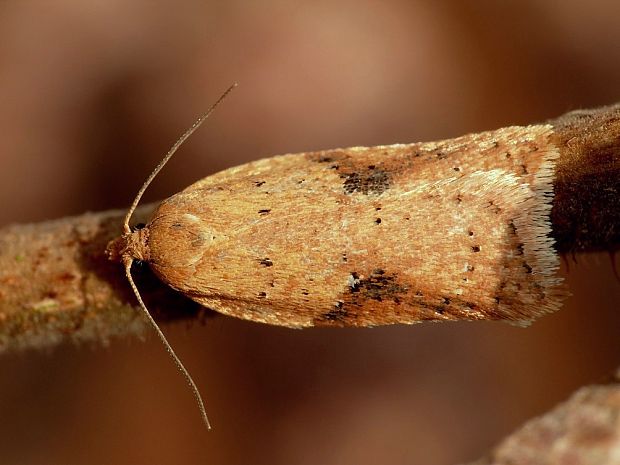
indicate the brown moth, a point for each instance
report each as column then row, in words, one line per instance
column 450, row 230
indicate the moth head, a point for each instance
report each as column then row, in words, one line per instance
column 131, row 246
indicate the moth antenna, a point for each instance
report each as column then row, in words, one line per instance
column 201, row 406
column 168, row 156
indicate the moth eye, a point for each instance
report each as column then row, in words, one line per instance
column 138, row 227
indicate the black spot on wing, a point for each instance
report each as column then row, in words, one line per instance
column 369, row 181
column 336, row 314
column 378, row 286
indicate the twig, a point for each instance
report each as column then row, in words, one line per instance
column 56, row 283
column 584, row 430
column 586, row 208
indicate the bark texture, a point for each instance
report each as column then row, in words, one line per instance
column 56, row 283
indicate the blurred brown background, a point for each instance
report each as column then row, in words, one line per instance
column 92, row 94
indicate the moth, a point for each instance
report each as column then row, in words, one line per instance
column 450, row 230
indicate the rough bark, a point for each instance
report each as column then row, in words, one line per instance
column 56, row 283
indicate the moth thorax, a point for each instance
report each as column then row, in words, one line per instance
column 178, row 240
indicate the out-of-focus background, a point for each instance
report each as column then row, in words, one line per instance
column 92, row 94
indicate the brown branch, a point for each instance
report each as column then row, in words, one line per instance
column 584, row 430
column 586, row 207
column 56, row 283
